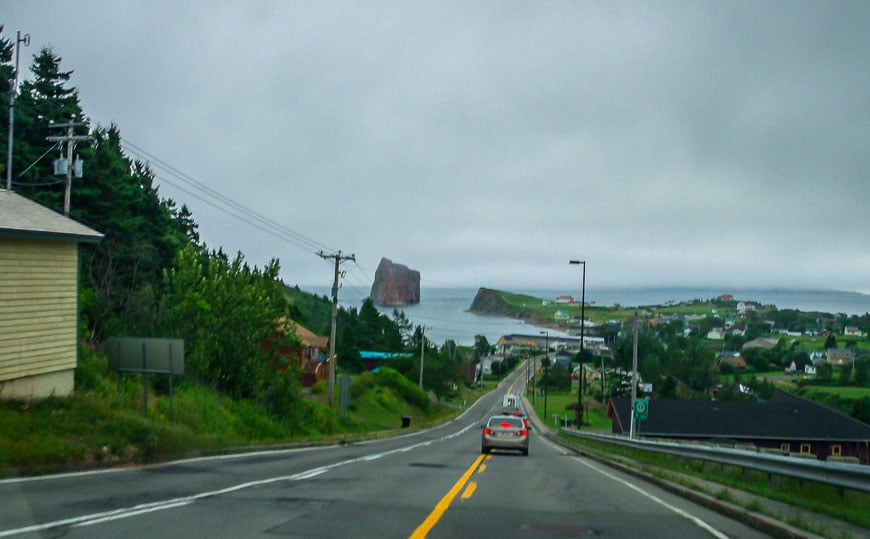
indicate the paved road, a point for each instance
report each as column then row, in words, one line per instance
column 433, row 483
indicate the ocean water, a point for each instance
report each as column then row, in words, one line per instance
column 443, row 311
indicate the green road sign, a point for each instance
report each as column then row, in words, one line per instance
column 641, row 409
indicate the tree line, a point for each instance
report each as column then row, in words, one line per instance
column 151, row 275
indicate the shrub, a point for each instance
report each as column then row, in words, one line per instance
column 408, row 391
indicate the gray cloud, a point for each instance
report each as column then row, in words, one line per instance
column 486, row 144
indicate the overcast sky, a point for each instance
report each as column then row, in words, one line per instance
column 488, row 143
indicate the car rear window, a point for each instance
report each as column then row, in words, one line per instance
column 506, row 422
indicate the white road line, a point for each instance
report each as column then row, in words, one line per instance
column 117, row 514
column 698, row 522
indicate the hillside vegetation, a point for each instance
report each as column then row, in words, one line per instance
column 102, row 424
column 152, row 276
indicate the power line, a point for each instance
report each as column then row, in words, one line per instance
column 225, row 204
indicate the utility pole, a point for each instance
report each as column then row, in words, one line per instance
column 546, row 368
column 70, row 140
column 422, row 348
column 12, row 87
column 338, row 258
column 582, row 341
column 633, row 378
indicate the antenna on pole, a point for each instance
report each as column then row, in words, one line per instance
column 12, row 87
column 338, row 258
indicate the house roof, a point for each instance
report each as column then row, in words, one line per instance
column 784, row 416
column 309, row 338
column 761, row 342
column 20, row 217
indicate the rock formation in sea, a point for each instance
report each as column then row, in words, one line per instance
column 490, row 302
column 395, row 285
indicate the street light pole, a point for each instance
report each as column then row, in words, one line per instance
column 528, row 368
column 534, row 374
column 582, row 341
column 546, row 368
column 633, row 379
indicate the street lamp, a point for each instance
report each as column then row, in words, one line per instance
column 582, row 328
column 633, row 378
column 546, row 367
column 528, row 368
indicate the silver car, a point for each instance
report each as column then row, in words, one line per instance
column 505, row 432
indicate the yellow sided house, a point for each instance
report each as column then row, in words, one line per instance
column 39, row 291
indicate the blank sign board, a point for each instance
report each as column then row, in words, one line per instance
column 145, row 354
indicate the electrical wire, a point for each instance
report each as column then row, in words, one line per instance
column 222, row 203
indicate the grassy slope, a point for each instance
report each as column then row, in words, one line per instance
column 99, row 426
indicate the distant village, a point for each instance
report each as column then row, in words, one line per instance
column 733, row 325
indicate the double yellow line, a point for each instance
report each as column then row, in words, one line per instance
column 445, row 502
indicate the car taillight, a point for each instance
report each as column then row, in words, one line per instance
column 522, row 432
column 487, row 431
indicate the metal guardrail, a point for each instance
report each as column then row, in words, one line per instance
column 838, row 474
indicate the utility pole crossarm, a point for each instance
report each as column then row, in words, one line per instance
column 70, row 140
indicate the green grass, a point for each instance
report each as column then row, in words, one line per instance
column 850, row 506
column 557, row 403
column 99, row 425
column 846, row 392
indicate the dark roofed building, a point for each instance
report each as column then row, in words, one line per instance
column 789, row 423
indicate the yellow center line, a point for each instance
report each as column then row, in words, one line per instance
column 442, row 506
column 469, row 490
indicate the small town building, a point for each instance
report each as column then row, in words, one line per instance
column 761, row 342
column 39, row 298
column 801, row 365
column 732, row 358
column 786, row 423
column 840, row 356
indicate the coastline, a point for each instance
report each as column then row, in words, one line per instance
column 444, row 310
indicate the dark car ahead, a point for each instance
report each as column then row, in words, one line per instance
column 505, row 432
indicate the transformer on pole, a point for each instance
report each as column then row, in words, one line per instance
column 66, row 166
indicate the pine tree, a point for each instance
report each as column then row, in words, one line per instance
column 42, row 101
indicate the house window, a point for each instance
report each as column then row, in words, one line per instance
column 786, row 448
column 805, row 449
column 837, row 450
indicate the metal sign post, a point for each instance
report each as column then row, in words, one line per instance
column 147, row 356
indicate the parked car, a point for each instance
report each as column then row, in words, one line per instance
column 505, row 432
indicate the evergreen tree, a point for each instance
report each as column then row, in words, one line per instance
column 862, row 372
column 229, row 316
column 43, row 100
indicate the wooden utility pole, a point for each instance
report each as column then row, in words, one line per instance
column 422, row 350
column 70, row 140
column 338, row 258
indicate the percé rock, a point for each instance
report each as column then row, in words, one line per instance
column 395, row 285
